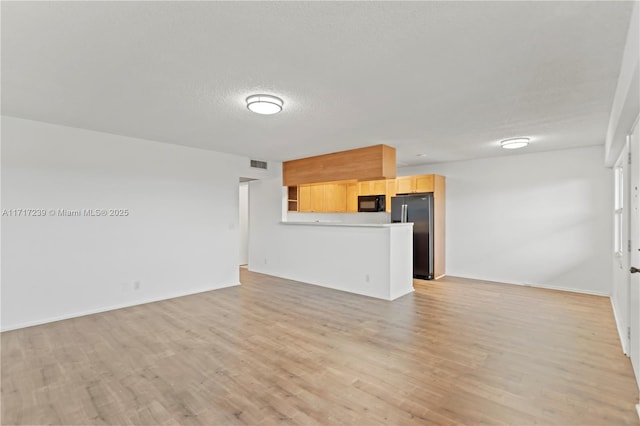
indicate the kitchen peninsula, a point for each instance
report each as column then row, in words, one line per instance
column 329, row 234
column 370, row 259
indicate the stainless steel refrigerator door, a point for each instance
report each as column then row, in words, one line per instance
column 420, row 212
column 396, row 209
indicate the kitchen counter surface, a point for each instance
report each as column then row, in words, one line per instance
column 351, row 225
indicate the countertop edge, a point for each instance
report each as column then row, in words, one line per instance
column 352, row 225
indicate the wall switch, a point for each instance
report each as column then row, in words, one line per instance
column 366, row 278
column 136, row 285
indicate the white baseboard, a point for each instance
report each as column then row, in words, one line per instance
column 624, row 342
column 548, row 287
column 109, row 308
column 638, row 410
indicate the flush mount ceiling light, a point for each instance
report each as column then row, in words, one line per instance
column 421, row 155
column 514, row 143
column 264, row 104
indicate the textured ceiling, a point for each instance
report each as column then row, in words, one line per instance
column 445, row 79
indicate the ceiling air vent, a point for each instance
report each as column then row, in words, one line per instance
column 256, row 164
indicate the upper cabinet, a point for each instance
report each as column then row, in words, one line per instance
column 323, row 198
column 341, row 197
column 369, row 163
column 352, row 198
column 304, row 198
column 411, row 184
column 317, row 198
column 335, row 197
column 372, row 187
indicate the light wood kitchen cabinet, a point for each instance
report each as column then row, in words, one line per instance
column 364, row 188
column 317, row 198
column 368, row 163
column 372, row 187
column 439, row 199
column 424, row 183
column 352, row 198
column 304, row 198
column 340, row 197
column 405, row 184
column 335, row 198
column 412, row 184
column 324, row 198
column 391, row 192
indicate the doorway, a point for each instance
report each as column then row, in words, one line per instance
column 243, row 220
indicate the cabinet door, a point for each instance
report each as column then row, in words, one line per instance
column 424, row 183
column 352, row 198
column 405, row 184
column 335, row 197
column 364, row 188
column 391, row 192
column 304, row 198
column 379, row 187
column 317, row 198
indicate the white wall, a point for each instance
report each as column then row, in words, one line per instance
column 244, row 223
column 626, row 102
column 181, row 235
column 540, row 219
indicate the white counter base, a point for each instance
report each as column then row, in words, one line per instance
column 374, row 260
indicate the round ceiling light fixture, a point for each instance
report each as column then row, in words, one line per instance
column 514, row 143
column 264, row 104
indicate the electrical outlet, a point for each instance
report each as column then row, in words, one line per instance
column 265, row 260
column 136, row 285
column 366, row 278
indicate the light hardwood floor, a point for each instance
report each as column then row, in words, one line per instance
column 276, row 351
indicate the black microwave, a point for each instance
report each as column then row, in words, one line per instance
column 371, row 203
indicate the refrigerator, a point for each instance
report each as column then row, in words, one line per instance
column 417, row 208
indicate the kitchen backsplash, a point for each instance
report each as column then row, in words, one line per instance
column 378, row 217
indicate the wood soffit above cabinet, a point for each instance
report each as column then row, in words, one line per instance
column 369, row 163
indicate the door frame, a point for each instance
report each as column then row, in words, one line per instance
column 634, row 257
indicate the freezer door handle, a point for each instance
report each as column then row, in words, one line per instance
column 403, row 213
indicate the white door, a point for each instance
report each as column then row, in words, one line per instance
column 634, row 258
column 620, row 291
